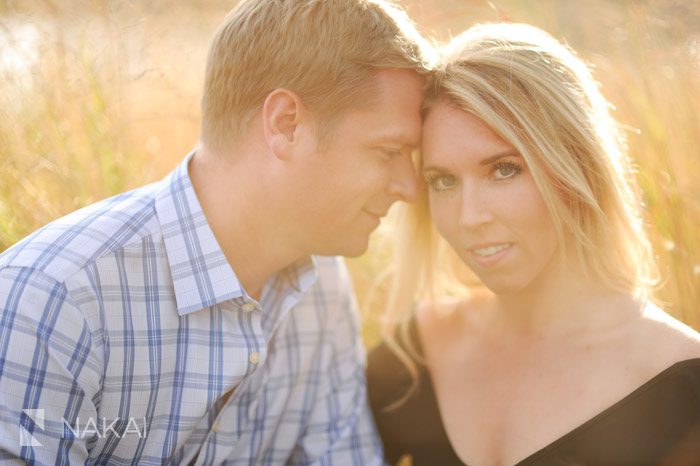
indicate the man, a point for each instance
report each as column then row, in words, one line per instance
column 194, row 321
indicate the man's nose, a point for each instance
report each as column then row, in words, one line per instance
column 404, row 182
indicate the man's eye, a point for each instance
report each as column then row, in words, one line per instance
column 506, row 170
column 390, row 153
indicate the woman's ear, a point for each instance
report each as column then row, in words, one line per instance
column 281, row 113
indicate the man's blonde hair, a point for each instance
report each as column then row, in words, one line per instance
column 324, row 50
column 538, row 96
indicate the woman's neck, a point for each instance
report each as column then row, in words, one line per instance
column 562, row 304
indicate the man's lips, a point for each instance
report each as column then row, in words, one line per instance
column 375, row 214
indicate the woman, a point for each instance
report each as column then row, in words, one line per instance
column 558, row 357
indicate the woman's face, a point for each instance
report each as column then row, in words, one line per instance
column 485, row 203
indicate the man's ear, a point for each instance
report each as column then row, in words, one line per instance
column 282, row 111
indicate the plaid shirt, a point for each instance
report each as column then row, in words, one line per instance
column 126, row 338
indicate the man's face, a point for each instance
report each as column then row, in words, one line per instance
column 363, row 166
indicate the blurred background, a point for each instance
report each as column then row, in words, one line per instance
column 100, row 96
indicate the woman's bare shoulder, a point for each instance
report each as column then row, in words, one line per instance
column 672, row 340
column 453, row 313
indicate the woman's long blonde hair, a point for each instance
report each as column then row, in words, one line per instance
column 537, row 95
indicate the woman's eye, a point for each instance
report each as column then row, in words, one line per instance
column 505, row 170
column 441, row 182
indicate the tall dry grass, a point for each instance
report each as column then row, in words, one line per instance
column 62, row 138
column 107, row 100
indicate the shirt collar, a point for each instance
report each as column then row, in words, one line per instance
column 199, row 269
column 200, row 272
column 299, row 275
column 285, row 289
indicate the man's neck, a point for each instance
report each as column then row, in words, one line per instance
column 232, row 200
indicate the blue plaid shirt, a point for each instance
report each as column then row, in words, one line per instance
column 126, row 338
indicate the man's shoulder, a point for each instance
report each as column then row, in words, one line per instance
column 70, row 243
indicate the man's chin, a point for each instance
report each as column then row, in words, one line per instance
column 353, row 253
column 351, row 248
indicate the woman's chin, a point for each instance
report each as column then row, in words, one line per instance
column 504, row 286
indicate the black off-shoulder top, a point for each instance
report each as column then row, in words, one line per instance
column 656, row 424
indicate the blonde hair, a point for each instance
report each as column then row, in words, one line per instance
column 324, row 50
column 537, row 95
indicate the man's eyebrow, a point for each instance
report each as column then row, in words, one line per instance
column 397, row 138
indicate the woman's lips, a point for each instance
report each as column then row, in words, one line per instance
column 488, row 254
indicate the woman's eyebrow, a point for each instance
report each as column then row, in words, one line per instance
column 500, row 155
column 428, row 168
column 484, row 162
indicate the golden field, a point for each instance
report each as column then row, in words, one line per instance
column 102, row 96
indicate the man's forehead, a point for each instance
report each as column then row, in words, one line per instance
column 395, row 136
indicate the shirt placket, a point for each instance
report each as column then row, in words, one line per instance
column 225, row 431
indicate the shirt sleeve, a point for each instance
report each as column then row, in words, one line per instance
column 49, row 373
column 340, row 430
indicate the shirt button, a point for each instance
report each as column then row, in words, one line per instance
column 215, row 427
column 254, row 357
column 248, row 307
